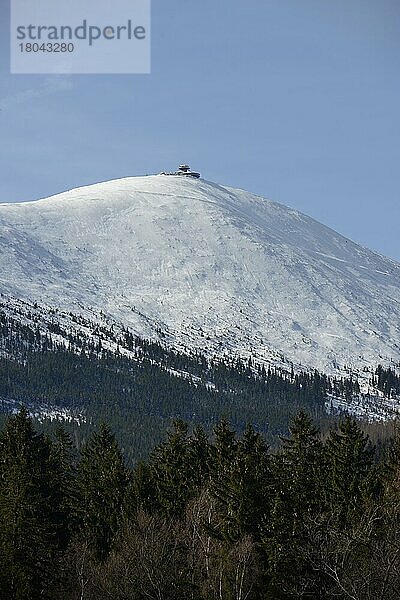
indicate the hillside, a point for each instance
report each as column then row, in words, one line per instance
column 205, row 267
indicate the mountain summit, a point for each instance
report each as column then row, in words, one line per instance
column 205, row 266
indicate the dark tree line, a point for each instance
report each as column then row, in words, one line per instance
column 203, row 517
column 141, row 392
column 387, row 381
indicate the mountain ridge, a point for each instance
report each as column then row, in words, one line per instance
column 210, row 266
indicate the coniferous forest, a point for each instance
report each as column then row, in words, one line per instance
column 139, row 393
column 203, row 517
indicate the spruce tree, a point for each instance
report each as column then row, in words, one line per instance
column 101, row 485
column 142, row 492
column 222, row 456
column 29, row 508
column 223, row 450
column 240, row 484
column 349, row 456
column 251, row 476
column 295, row 501
column 199, row 456
column 300, row 461
column 62, row 458
column 172, row 472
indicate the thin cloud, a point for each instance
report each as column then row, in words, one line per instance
column 52, row 85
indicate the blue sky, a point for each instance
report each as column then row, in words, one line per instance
column 296, row 101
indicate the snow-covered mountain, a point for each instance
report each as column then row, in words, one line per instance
column 206, row 266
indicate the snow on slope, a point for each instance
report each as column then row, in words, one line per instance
column 211, row 266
